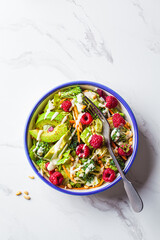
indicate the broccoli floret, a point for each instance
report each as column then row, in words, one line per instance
column 41, row 163
column 74, row 142
column 113, row 166
column 42, row 148
column 88, row 177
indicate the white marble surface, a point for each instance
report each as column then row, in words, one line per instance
column 47, row 42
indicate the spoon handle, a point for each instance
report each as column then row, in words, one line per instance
column 134, row 198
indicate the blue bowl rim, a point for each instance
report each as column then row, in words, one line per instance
column 136, row 136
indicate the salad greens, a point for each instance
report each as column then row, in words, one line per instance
column 59, row 131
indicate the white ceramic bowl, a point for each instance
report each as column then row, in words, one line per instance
column 85, row 85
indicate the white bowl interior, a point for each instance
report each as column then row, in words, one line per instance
column 40, row 108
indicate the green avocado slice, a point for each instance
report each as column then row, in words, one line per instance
column 57, row 148
column 97, row 125
column 53, row 136
column 85, row 135
column 41, row 121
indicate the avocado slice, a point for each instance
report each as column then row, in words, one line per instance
column 53, row 136
column 97, row 124
column 85, row 135
column 41, row 121
column 57, row 148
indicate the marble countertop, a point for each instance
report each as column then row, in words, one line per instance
column 47, row 42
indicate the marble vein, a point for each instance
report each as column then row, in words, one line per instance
column 93, row 42
column 8, row 145
column 137, row 4
column 5, row 190
column 123, row 211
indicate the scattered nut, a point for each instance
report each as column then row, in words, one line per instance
column 72, row 159
column 56, row 169
column 26, row 192
column 86, row 186
column 95, row 96
column 128, row 124
column 18, row 193
column 31, row 177
column 69, row 185
column 27, row 197
column 59, row 93
column 79, row 161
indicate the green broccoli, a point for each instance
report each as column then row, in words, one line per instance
column 42, row 148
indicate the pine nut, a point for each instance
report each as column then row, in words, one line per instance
column 72, row 159
column 31, row 177
column 18, row 193
column 26, row 192
column 86, row 187
column 69, row 185
column 27, row 197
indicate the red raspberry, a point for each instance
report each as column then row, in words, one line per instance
column 111, row 102
column 109, row 175
column 129, row 152
column 96, row 141
column 46, row 165
column 118, row 120
column 56, row 178
column 101, row 93
column 82, row 151
column 125, row 150
column 66, row 105
column 121, row 152
column 86, row 118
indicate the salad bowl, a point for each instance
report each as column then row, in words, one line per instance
column 38, row 108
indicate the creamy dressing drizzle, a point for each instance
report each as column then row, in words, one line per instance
column 89, row 139
column 90, row 167
column 36, row 147
column 101, row 105
column 64, row 119
column 90, row 94
column 50, row 107
column 73, row 104
column 78, row 120
column 79, row 103
column 115, row 131
column 72, row 170
column 84, row 147
column 54, row 115
column 39, row 135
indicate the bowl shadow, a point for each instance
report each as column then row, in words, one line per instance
column 139, row 172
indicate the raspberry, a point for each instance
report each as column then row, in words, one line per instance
column 96, row 141
column 125, row 150
column 50, row 172
column 82, row 151
column 109, row 175
column 118, row 120
column 111, row 102
column 56, row 178
column 86, row 118
column 66, row 105
column 121, row 152
column 101, row 93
